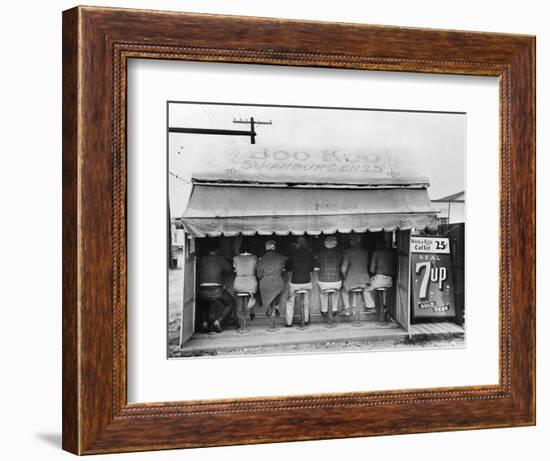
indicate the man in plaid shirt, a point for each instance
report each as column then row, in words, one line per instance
column 329, row 262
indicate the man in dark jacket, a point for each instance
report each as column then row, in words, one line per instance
column 270, row 280
column 216, row 303
column 301, row 265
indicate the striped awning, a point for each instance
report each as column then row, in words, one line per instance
column 230, row 210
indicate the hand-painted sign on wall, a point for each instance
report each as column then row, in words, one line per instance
column 299, row 165
column 432, row 281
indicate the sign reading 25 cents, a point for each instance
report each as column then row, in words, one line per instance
column 432, row 281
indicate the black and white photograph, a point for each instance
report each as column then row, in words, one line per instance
column 300, row 229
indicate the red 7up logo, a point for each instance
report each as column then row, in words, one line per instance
column 433, row 274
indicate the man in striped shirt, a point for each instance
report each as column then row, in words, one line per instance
column 329, row 262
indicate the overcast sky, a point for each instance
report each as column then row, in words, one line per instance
column 409, row 144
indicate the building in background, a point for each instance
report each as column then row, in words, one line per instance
column 177, row 240
column 178, row 234
column 451, row 208
column 451, row 217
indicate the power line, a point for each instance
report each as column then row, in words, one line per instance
column 230, row 140
column 179, row 177
column 252, row 121
column 217, row 122
column 224, row 132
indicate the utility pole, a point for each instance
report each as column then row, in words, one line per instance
column 215, row 131
column 252, row 123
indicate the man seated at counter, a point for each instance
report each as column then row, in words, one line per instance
column 383, row 266
column 355, row 271
column 245, row 278
column 215, row 303
column 301, row 265
column 329, row 261
column 269, row 271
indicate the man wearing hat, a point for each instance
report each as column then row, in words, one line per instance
column 301, row 265
column 269, row 271
column 329, row 262
column 355, row 272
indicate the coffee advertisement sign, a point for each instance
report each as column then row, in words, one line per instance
column 432, row 278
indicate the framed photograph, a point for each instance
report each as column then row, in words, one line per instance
column 350, row 226
column 284, row 230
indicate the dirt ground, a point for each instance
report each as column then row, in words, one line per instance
column 175, row 299
column 331, row 346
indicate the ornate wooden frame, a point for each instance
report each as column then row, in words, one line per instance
column 97, row 43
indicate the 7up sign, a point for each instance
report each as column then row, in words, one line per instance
column 432, row 282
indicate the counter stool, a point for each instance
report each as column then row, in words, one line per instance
column 241, row 310
column 330, row 315
column 273, row 318
column 383, row 296
column 299, row 294
column 355, row 292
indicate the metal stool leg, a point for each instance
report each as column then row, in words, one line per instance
column 356, row 310
column 273, row 326
column 243, row 301
column 387, row 303
column 300, row 297
column 330, row 316
column 302, row 310
column 382, row 313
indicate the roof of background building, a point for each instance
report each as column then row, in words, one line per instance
column 457, row 197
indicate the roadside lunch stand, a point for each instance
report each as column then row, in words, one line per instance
column 229, row 206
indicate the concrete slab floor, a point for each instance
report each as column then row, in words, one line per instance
column 258, row 340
